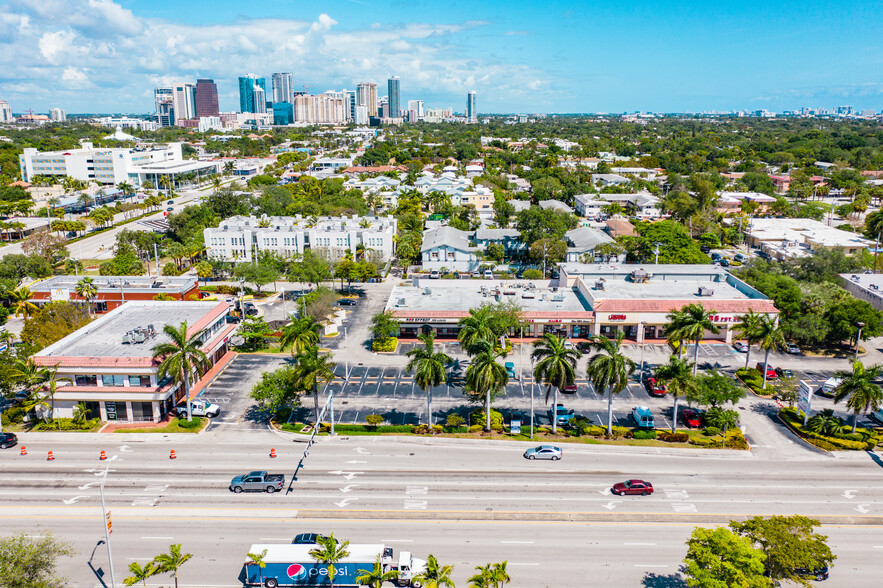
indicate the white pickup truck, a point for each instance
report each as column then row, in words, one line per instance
column 200, row 407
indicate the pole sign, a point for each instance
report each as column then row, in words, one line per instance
column 804, row 399
column 515, row 427
column 109, row 525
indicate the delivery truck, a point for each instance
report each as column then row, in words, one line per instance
column 291, row 565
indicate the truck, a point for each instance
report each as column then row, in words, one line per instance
column 200, row 408
column 258, row 481
column 292, row 565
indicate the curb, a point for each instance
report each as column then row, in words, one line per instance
column 806, row 444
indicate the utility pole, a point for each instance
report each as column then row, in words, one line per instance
column 156, row 259
column 105, row 516
column 657, row 254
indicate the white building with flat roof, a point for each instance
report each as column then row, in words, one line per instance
column 239, row 238
column 867, row 287
column 782, row 238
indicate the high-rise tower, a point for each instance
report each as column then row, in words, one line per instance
column 366, row 95
column 471, row 113
column 248, row 101
column 282, row 87
column 395, row 103
column 206, row 98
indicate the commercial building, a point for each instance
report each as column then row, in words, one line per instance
column 867, row 287
column 126, row 122
column 784, row 238
column 471, row 112
column 395, row 98
column 282, row 88
column 366, row 95
column 57, row 115
column 252, row 94
column 239, row 238
column 206, row 98
column 111, row 366
column 6, row 112
column 165, row 109
column 586, row 300
column 113, row 291
column 184, row 101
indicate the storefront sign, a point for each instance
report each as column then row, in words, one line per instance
column 722, row 319
column 60, row 294
column 616, row 317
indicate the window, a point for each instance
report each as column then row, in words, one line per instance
column 86, row 380
column 140, row 381
column 112, row 380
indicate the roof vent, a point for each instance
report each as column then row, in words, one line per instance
column 705, row 291
column 599, row 284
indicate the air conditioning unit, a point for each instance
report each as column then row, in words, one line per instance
column 705, row 291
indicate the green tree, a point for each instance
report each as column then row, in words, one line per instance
column 770, row 336
column 720, row 558
column 20, row 301
column 430, row 368
column 49, row 380
column 843, row 318
column 555, row 368
column 330, row 552
column 174, row 560
column 377, row 576
column 180, row 357
column 859, row 388
column 140, row 574
column 486, row 377
column 312, row 369
column 483, row 578
column 548, row 251
column 204, row 271
column 788, row 543
column 825, row 423
column 28, row 561
column 277, row 390
column 499, row 574
column 722, row 419
column 257, row 273
column 87, row 290
column 384, row 326
column 300, row 334
column 609, row 370
column 677, row 375
column 714, row 389
column 435, row 575
column 749, row 328
column 690, row 323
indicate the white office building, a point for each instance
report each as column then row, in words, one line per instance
column 210, row 123
column 326, row 108
column 57, row 115
column 282, row 85
column 5, row 112
column 239, row 238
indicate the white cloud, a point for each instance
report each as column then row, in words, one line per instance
column 53, row 46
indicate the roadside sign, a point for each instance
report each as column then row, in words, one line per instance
column 804, row 399
column 109, row 525
column 515, row 427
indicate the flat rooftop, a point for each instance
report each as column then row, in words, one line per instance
column 103, row 337
column 112, row 283
column 175, row 167
column 801, row 230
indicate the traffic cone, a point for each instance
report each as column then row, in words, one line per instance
column 172, row 455
column 103, row 456
column 24, row 450
column 50, row 457
column 272, row 453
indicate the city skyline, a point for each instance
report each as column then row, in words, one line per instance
column 108, row 57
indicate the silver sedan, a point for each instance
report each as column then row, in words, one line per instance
column 544, row 452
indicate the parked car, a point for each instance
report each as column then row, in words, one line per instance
column 346, row 302
column 655, row 387
column 829, row 386
column 569, row 389
column 434, row 275
column 510, row 369
column 740, row 257
column 562, row 415
column 692, row 418
column 770, row 372
column 584, row 346
column 544, row 452
column 200, row 408
column 632, row 487
column 170, row 209
column 71, row 234
column 308, row 539
column 705, row 249
column 643, row 417
column 725, row 262
column 792, row 348
column 8, row 440
column 715, row 257
column 170, row 202
column 819, row 574
column 784, row 372
column 568, row 344
column 488, row 275
column 741, row 346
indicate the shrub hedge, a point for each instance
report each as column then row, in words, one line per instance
column 672, row 437
column 66, row 424
column 387, row 345
column 752, row 378
column 477, row 417
column 865, row 440
column 644, row 435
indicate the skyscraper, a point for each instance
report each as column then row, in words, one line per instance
column 395, row 104
column 206, row 98
column 57, row 114
column 471, row 113
column 282, row 87
column 184, row 100
column 248, row 101
column 366, row 95
column 5, row 112
column 349, row 104
column 165, row 106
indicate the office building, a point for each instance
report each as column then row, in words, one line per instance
column 57, row 115
column 395, row 102
column 360, row 115
column 238, row 238
column 471, row 113
column 113, row 291
column 282, row 88
column 126, row 122
column 383, row 108
column 350, row 104
column 5, row 112
column 252, row 94
column 184, row 102
column 209, row 123
column 165, row 106
column 206, row 98
column 366, row 95
column 415, row 110
column 283, row 113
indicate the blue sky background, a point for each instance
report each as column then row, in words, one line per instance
column 106, row 56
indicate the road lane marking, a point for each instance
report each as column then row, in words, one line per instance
column 639, row 544
column 415, row 505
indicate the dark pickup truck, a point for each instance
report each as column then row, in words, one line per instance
column 257, row 481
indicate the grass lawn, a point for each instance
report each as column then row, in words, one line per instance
column 173, row 427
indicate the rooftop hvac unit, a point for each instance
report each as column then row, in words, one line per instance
column 400, row 302
column 874, row 287
column 704, row 291
column 127, row 338
column 599, row 284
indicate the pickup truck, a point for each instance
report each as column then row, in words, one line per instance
column 200, row 408
column 258, row 481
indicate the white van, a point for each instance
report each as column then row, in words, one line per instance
column 643, row 417
column 488, row 275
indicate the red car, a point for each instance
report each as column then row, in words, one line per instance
column 770, row 372
column 633, row 487
column 692, row 418
column 655, row 388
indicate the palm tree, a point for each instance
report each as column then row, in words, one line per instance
column 311, row 369
column 257, row 559
column 770, row 336
column 749, row 328
column 86, row 289
column 858, row 385
column 300, row 334
column 484, row 577
column 499, row 574
column 376, row 577
column 825, row 423
column 690, row 324
column 430, row 368
column 679, row 381
column 140, row 574
column 435, row 575
column 179, row 357
column 475, row 328
column 20, row 301
column 329, row 553
column 556, row 368
column 485, row 375
column 609, row 370
column 722, row 419
column 171, row 562
column 49, row 379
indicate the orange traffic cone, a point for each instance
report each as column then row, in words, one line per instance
column 172, row 454
column 24, row 450
column 50, row 457
column 272, row 453
column 103, row 455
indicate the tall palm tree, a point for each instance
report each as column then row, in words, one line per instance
column 179, row 357
column 86, row 289
column 677, row 375
column 171, row 562
column 476, row 328
column 749, row 328
column 49, row 379
column 769, row 336
column 673, row 330
column 377, row 576
column 311, row 370
column 499, row 574
column 609, row 370
column 555, row 367
column 858, row 385
column 140, row 574
column 300, row 334
column 435, row 575
column 330, row 552
column 690, row 324
column 483, row 579
column 430, row 368
column 485, row 375
column 20, row 300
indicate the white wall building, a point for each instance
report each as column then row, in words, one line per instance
column 327, row 108
column 238, row 238
column 126, row 122
column 210, row 123
column 5, row 112
column 101, row 165
column 57, row 114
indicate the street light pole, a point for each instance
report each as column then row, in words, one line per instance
column 858, row 339
column 104, row 517
column 643, row 344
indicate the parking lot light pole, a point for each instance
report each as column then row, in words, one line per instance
column 104, row 518
column 858, row 338
column 643, row 343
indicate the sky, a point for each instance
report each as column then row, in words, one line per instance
column 559, row 57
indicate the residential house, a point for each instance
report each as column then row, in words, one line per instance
column 555, row 205
column 609, row 180
column 510, row 239
column 449, row 248
column 582, row 243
